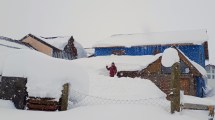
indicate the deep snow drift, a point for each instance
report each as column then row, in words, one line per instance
column 46, row 75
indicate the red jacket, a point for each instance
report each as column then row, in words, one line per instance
column 112, row 69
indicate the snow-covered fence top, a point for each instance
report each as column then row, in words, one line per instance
column 45, row 75
column 157, row 38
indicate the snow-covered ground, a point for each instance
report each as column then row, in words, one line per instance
column 105, row 112
column 100, row 85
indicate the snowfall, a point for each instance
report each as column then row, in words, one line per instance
column 89, row 77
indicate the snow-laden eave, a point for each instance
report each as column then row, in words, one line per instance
column 59, row 41
column 198, row 67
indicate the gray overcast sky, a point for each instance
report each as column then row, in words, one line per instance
column 93, row 20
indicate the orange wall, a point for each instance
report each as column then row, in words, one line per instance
column 38, row 45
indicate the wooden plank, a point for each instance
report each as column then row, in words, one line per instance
column 42, row 107
column 42, row 102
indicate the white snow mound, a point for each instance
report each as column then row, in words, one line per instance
column 170, row 56
column 45, row 75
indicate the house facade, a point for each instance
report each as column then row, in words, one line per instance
column 210, row 75
column 191, row 79
column 64, row 47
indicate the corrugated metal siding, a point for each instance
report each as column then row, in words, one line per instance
column 200, row 84
column 194, row 52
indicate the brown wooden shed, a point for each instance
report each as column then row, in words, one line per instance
column 161, row 75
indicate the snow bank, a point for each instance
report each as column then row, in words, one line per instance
column 125, row 88
column 106, row 112
column 4, row 52
column 119, row 88
column 128, row 40
column 169, row 57
column 80, row 50
column 96, row 65
column 197, row 100
column 8, row 104
column 45, row 75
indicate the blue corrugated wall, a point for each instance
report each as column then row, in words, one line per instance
column 200, row 83
column 194, row 52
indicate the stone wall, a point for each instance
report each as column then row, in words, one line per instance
column 14, row 88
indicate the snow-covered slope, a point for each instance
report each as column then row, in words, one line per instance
column 119, row 88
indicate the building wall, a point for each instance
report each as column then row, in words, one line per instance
column 38, row 46
column 200, row 83
column 190, row 84
column 211, row 75
column 194, row 52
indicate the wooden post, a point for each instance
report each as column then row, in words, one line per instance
column 64, row 97
column 175, row 88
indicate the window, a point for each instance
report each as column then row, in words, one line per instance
column 208, row 69
column 209, row 76
column 213, row 71
column 213, row 76
column 118, row 52
column 183, row 68
column 165, row 70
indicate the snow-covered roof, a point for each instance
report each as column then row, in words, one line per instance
column 7, row 42
column 156, row 38
column 45, row 75
column 60, row 42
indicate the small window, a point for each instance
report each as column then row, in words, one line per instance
column 209, row 76
column 165, row 70
column 184, row 68
column 208, row 69
column 213, row 76
column 213, row 71
column 118, row 52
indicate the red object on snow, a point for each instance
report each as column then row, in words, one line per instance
column 112, row 69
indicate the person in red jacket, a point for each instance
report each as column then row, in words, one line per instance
column 112, row 69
